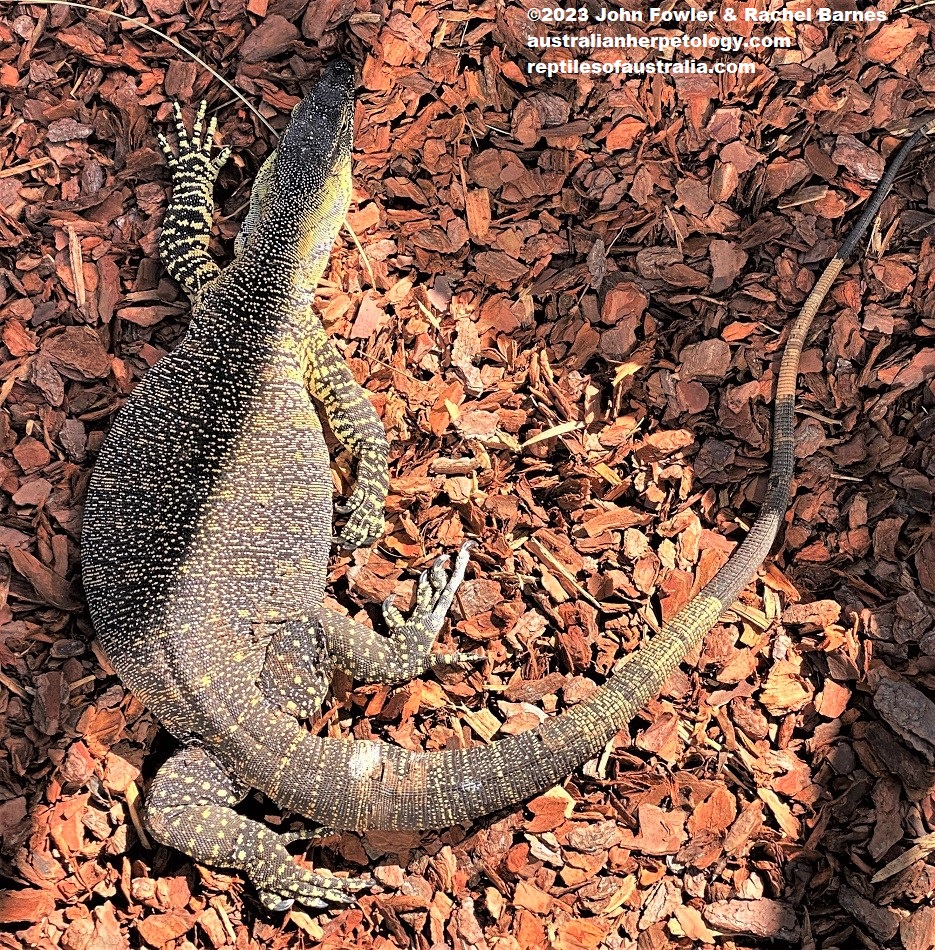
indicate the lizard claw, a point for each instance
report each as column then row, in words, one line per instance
column 392, row 615
column 457, row 659
column 277, row 906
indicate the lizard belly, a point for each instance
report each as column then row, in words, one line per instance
column 205, row 514
column 262, row 543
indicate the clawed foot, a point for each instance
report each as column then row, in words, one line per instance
column 365, row 520
column 291, row 884
column 194, row 154
column 310, row 890
column 434, row 596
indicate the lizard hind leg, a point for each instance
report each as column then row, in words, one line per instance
column 407, row 651
column 191, row 809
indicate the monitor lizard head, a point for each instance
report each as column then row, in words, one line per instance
column 302, row 191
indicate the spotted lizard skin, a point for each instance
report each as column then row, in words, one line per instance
column 208, row 527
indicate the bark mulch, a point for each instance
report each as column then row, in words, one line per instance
column 568, row 306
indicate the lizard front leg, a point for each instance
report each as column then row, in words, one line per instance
column 191, row 808
column 186, row 228
column 358, row 427
column 407, row 651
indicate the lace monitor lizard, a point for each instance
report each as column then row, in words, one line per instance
column 208, row 527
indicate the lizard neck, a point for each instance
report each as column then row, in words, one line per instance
column 274, row 288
